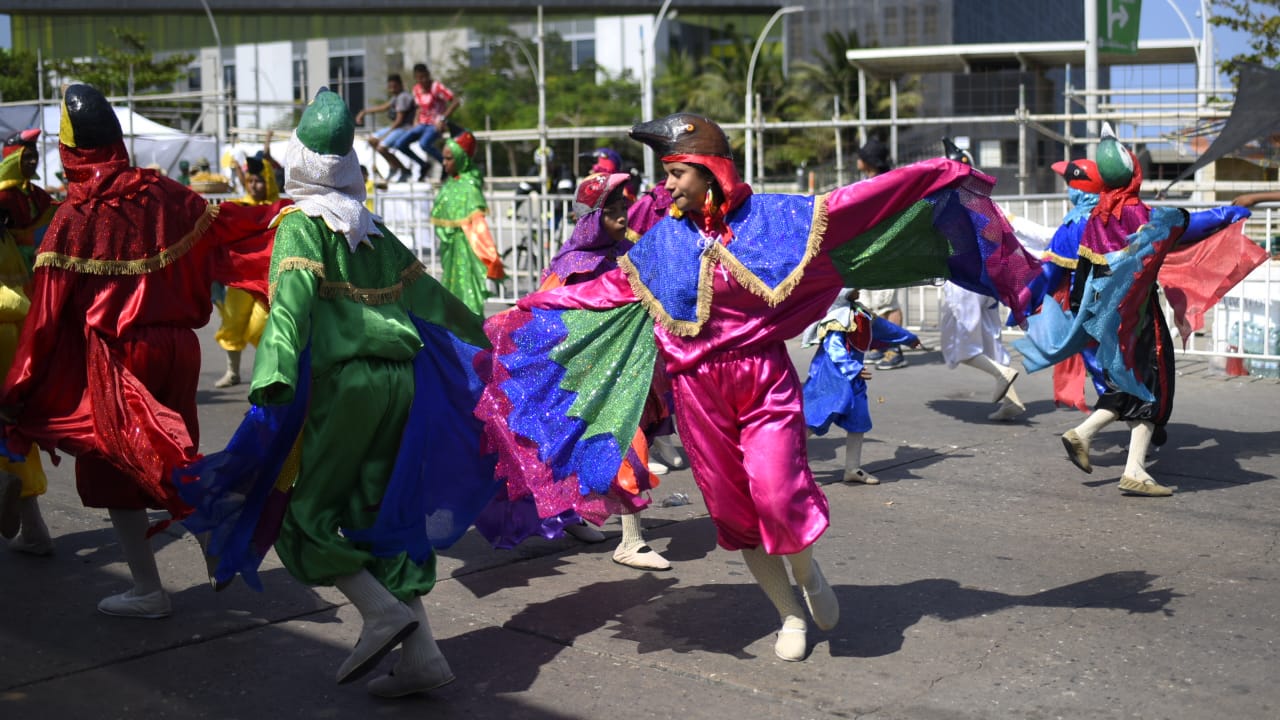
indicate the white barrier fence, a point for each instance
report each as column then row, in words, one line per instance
column 529, row 229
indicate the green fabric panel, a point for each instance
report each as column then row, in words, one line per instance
column 901, row 250
column 349, row 443
column 608, row 359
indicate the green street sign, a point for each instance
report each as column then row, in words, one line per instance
column 1118, row 25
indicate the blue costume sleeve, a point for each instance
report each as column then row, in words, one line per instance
column 1207, row 222
column 887, row 334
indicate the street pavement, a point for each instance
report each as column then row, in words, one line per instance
column 986, row 577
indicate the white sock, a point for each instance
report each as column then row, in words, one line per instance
column 1139, row 440
column 33, row 528
column 131, row 530
column 632, row 532
column 770, row 573
column 1001, row 373
column 986, row 365
column 420, row 648
column 853, row 451
column 1097, row 420
column 802, row 565
column 366, row 593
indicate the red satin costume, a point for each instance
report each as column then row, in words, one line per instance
column 108, row 360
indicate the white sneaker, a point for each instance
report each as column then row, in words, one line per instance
column 640, row 557
column 793, row 641
column 1008, row 410
column 40, row 547
column 153, row 605
column 227, row 380
column 379, row 636
column 585, row 533
column 409, row 681
column 657, row 468
column 860, row 476
column 667, row 452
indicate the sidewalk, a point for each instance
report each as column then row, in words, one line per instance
column 985, row 578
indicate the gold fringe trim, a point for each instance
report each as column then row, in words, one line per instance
column 440, row 222
column 684, row 328
column 295, row 263
column 345, row 290
column 1059, row 260
column 1093, row 257
column 166, row 257
column 745, row 277
column 632, row 235
column 373, row 296
column 749, row 280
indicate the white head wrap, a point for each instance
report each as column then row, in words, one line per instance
column 330, row 187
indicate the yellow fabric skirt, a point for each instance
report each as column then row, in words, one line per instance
column 243, row 319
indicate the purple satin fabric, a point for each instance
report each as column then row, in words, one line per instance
column 1103, row 238
column 741, row 423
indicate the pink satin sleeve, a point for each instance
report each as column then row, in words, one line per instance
column 608, row 291
column 854, row 209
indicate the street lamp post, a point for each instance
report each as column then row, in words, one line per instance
column 218, row 71
column 535, row 67
column 751, row 71
column 648, row 42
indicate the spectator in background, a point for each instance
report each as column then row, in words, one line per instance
column 435, row 104
column 400, row 107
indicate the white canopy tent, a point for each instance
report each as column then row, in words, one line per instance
column 148, row 142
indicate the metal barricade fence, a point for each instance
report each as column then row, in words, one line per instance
column 529, row 229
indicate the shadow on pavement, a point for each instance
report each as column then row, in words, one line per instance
column 728, row 619
column 976, row 411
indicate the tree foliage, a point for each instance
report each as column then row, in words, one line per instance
column 18, row 76
column 504, row 92
column 1260, row 19
column 110, row 71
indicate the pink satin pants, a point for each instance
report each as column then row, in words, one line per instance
column 740, row 420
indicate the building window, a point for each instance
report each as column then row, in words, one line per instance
column 891, row 25
column 989, row 154
column 584, row 53
column 930, row 11
column 300, row 79
column 346, row 77
column 194, row 76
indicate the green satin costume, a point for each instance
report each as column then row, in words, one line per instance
column 354, row 309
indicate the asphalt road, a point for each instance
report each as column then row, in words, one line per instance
column 985, row 578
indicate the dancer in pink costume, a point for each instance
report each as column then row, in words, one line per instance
column 728, row 282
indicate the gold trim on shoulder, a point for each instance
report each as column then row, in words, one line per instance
column 719, row 253
column 168, row 256
column 749, row 280
column 684, row 328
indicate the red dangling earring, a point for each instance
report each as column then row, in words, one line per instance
column 708, row 212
